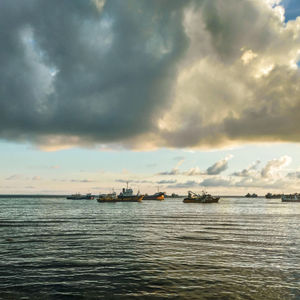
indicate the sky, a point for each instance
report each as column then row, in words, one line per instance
column 169, row 95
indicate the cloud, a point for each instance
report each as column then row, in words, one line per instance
column 275, row 184
column 104, row 78
column 75, row 180
column 194, row 172
column 29, row 187
column 184, row 185
column 215, row 169
column 271, row 176
column 166, row 181
column 55, row 167
column 122, row 180
column 273, row 167
column 219, row 166
column 208, row 182
column 15, row 177
column 215, row 182
column 223, row 98
column 81, row 180
column 295, row 175
column 251, row 171
column 174, row 171
column 180, row 162
column 140, row 74
column 270, row 172
column 133, row 181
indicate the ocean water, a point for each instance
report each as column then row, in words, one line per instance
column 70, row 249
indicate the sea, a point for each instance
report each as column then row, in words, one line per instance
column 239, row 248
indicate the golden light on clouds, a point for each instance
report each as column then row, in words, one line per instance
column 99, row 4
column 148, row 75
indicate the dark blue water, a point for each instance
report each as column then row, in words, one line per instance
column 70, row 249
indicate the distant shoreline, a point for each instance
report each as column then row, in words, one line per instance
column 64, row 196
column 31, row 196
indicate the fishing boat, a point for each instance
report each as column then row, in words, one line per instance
column 273, row 196
column 77, row 196
column 291, row 198
column 173, row 195
column 157, row 196
column 251, row 195
column 200, row 198
column 112, row 197
column 125, row 196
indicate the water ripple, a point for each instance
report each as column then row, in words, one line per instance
column 62, row 249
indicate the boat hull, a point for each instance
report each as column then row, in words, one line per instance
column 291, row 199
column 273, row 196
column 158, row 198
column 121, row 199
column 199, row 200
column 80, row 198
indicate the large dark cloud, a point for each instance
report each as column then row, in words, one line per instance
column 72, row 68
column 141, row 73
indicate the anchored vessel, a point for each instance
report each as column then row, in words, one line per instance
column 251, row 195
column 157, row 196
column 88, row 196
column 291, row 198
column 173, row 195
column 197, row 198
column 273, row 196
column 107, row 197
column 125, row 196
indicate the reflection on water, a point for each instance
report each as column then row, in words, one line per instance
column 64, row 249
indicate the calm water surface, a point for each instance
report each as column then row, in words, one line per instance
column 68, row 249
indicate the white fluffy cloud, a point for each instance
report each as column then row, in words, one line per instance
column 251, row 171
column 219, row 166
column 274, row 166
column 215, row 169
column 273, row 175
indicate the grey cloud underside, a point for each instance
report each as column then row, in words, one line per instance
column 218, row 167
column 163, row 182
column 114, row 68
column 110, row 75
column 248, row 172
column 133, row 181
column 272, row 116
column 295, row 175
column 166, row 181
